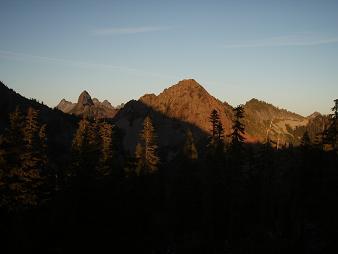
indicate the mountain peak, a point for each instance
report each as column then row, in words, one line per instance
column 314, row 115
column 96, row 101
column 186, row 88
column 88, row 107
column 65, row 105
column 253, row 100
column 107, row 104
column 188, row 83
column 85, row 99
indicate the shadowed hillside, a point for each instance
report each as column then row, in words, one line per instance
column 60, row 126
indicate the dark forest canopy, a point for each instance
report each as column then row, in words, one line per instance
column 68, row 185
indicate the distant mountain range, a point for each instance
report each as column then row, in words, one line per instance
column 185, row 105
column 188, row 102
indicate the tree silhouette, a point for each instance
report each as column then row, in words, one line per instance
column 305, row 141
column 146, row 150
column 85, row 149
column 11, row 147
column 106, row 153
column 217, row 131
column 23, row 160
column 331, row 133
column 189, row 149
column 238, row 130
column 43, row 146
column 33, row 158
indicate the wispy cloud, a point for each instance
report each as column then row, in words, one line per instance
column 128, row 30
column 297, row 39
column 34, row 58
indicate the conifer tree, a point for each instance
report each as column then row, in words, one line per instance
column 237, row 135
column 43, row 146
column 11, row 146
column 305, row 141
column 217, row 131
column 220, row 131
column 106, row 153
column 189, row 149
column 80, row 149
column 12, row 140
column 147, row 159
column 331, row 134
column 22, row 161
column 32, row 158
column 93, row 144
column 80, row 139
column 216, row 143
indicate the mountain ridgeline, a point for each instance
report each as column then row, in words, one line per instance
column 87, row 107
column 188, row 105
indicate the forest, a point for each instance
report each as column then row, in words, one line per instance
column 227, row 196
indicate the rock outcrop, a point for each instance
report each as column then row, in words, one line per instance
column 88, row 107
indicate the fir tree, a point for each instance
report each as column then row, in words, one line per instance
column 237, row 135
column 189, row 148
column 80, row 149
column 220, row 131
column 217, row 131
column 146, row 150
column 332, row 132
column 94, row 141
column 22, row 161
column 305, row 141
column 106, row 154
column 80, row 140
column 12, row 140
column 43, row 146
column 32, row 158
column 11, row 147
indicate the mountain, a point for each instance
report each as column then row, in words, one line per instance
column 65, row 106
column 185, row 105
column 88, row 107
column 264, row 120
column 314, row 115
column 188, row 102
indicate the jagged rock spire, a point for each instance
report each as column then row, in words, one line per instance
column 85, row 99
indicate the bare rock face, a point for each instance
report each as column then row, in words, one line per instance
column 85, row 99
column 88, row 107
column 107, row 104
column 65, row 106
column 314, row 115
column 264, row 121
column 96, row 101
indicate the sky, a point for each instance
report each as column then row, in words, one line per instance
column 282, row 52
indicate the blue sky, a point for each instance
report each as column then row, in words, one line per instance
column 283, row 52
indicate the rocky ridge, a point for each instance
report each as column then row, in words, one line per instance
column 88, row 107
